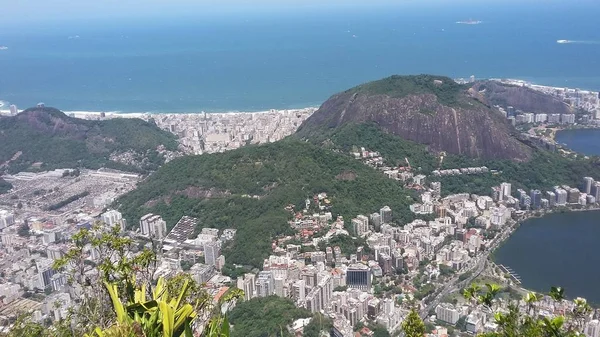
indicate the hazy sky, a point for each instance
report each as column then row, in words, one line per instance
column 31, row 10
column 45, row 11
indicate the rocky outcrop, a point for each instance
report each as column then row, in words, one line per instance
column 520, row 98
column 447, row 119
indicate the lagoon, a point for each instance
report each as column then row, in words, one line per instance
column 559, row 249
column 586, row 141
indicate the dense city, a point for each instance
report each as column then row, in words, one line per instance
column 360, row 272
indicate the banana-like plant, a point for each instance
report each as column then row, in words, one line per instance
column 161, row 316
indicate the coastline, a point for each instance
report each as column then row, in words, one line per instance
column 145, row 115
column 86, row 114
column 528, row 284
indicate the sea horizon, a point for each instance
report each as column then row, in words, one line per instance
column 4, row 104
column 249, row 62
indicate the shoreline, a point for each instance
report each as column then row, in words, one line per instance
column 131, row 114
column 142, row 115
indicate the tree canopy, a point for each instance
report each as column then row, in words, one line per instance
column 249, row 188
column 265, row 316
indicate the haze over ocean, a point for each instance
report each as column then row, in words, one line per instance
column 286, row 59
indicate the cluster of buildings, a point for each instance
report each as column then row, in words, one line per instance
column 575, row 98
column 29, row 282
column 560, row 196
column 218, row 132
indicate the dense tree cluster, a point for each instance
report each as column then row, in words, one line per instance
column 266, row 316
column 56, row 140
column 545, row 169
column 445, row 89
column 67, row 201
column 249, row 188
column 5, row 186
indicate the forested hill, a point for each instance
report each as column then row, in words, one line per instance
column 49, row 137
column 248, row 189
column 544, row 170
column 427, row 109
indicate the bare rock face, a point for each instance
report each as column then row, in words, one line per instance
column 426, row 109
column 521, row 98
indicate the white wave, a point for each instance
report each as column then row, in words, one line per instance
column 577, row 42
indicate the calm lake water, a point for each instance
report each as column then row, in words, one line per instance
column 586, row 141
column 557, row 250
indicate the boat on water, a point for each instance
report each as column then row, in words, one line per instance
column 470, row 22
column 562, row 41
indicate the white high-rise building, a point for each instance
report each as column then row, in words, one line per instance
column 360, row 224
column 153, row 226
column 592, row 329
column 264, row 284
column 212, row 250
column 588, row 182
column 248, row 284
column 114, row 218
column 299, row 291
column 386, row 214
column 6, row 219
column 446, row 312
column 436, row 186
column 505, row 191
column 561, row 196
column 13, row 109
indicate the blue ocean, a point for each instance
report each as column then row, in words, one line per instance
column 289, row 59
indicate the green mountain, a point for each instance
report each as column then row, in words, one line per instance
column 51, row 138
column 430, row 110
column 248, row 189
column 543, row 170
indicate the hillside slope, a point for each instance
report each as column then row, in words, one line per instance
column 521, row 98
column 430, row 110
column 48, row 136
column 217, row 189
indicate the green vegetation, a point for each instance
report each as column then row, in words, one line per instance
column 124, row 300
column 530, row 323
column 544, row 170
column 347, row 244
column 447, row 92
column 318, row 325
column 413, row 325
column 215, row 188
column 265, row 316
column 24, row 230
column 5, row 186
column 50, row 137
column 67, row 201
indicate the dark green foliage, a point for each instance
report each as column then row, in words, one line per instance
column 233, row 271
column 393, row 148
column 49, row 136
column 265, row 316
column 400, row 86
column 67, row 201
column 379, row 330
column 5, row 186
column 544, row 170
column 317, row 325
column 413, row 325
column 280, row 173
column 347, row 244
column 186, row 265
column 24, row 230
